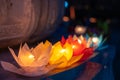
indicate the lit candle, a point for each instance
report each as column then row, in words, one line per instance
column 61, row 53
column 95, row 40
column 32, row 60
column 78, row 45
column 27, row 58
column 98, row 42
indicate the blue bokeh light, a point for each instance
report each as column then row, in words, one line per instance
column 66, row 4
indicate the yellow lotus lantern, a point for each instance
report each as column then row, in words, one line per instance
column 61, row 54
column 32, row 62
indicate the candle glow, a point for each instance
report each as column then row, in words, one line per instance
column 61, row 53
column 78, row 45
column 32, row 61
column 27, row 59
column 45, row 57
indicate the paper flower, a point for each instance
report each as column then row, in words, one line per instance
column 78, row 44
column 32, row 62
column 45, row 58
column 61, row 54
column 97, row 42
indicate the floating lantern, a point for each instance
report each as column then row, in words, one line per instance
column 78, row 45
column 32, row 62
column 27, row 59
column 95, row 41
column 98, row 42
column 44, row 57
column 61, row 53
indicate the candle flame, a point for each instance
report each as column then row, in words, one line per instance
column 79, row 41
column 95, row 39
column 73, row 46
column 30, row 56
column 63, row 50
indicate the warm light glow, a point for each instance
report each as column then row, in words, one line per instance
column 95, row 40
column 93, row 20
column 31, row 56
column 80, row 29
column 44, row 57
column 60, row 54
column 79, row 41
column 27, row 58
column 73, row 46
column 66, row 19
column 78, row 44
column 72, row 12
column 81, row 38
column 63, row 50
column 31, row 60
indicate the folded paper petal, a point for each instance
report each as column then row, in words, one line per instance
column 38, row 72
column 15, row 57
column 9, row 67
column 74, row 59
column 37, row 50
column 59, row 51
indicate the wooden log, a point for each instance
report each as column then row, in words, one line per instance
column 28, row 20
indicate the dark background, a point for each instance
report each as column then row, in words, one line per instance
column 101, row 9
column 106, row 8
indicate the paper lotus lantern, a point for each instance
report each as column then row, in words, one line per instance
column 78, row 44
column 97, row 42
column 45, row 58
column 32, row 62
column 61, row 54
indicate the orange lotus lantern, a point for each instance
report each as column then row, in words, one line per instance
column 27, row 58
column 32, row 61
column 78, row 45
column 61, row 54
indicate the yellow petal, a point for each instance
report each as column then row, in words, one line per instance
column 47, row 43
column 74, row 59
column 55, row 53
column 58, row 51
column 63, row 62
column 69, row 51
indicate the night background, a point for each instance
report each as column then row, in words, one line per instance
column 106, row 11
